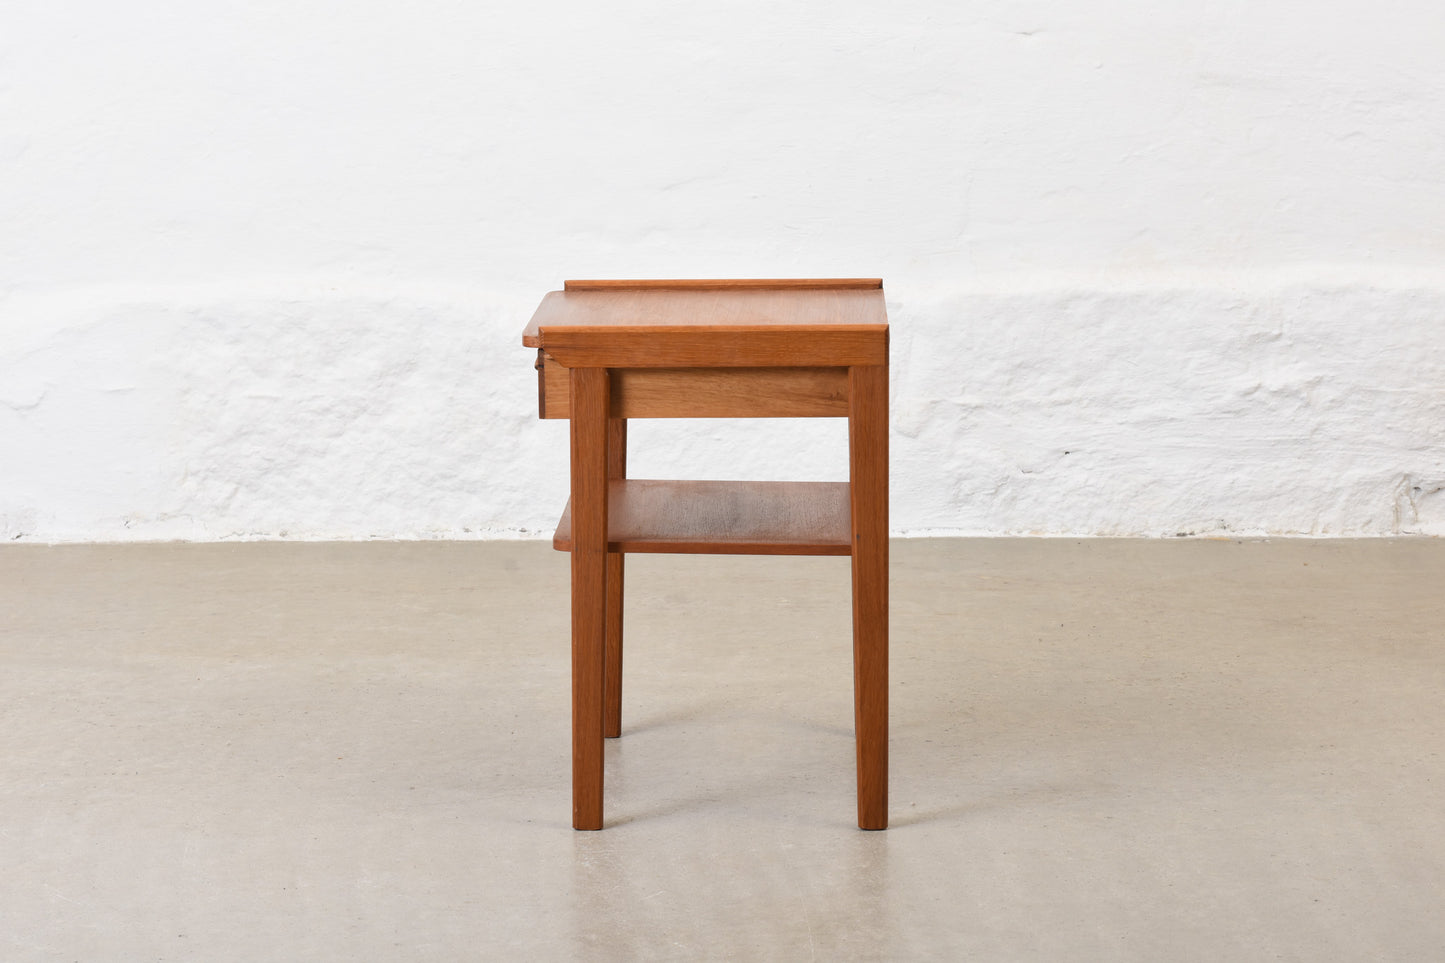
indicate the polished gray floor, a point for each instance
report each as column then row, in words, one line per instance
column 1102, row 750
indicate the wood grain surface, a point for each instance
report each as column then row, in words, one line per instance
column 722, row 518
column 868, row 474
column 736, row 346
column 708, row 392
column 589, row 591
column 693, row 308
column 616, row 561
column 723, row 284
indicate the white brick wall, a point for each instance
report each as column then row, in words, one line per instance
column 1152, row 268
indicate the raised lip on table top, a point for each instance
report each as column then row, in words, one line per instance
column 708, row 284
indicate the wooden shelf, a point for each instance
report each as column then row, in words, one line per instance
column 723, row 518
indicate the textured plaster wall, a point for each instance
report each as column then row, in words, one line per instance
column 1152, row 268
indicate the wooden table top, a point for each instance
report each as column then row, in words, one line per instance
column 725, row 323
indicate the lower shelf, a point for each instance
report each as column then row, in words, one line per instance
column 723, row 518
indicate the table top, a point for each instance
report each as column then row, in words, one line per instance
column 725, row 322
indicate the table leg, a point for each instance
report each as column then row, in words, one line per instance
column 616, row 468
column 868, row 484
column 589, row 590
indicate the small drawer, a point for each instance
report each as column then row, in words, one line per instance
column 554, row 388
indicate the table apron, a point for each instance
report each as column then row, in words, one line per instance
column 705, row 392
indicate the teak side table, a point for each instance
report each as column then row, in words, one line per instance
column 613, row 350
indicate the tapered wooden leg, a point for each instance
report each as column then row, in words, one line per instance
column 868, row 484
column 589, row 590
column 616, row 468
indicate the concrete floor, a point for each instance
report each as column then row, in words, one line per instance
column 1116, row 750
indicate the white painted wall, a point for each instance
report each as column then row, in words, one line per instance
column 1152, row 268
